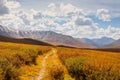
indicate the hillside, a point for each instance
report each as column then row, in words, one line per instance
column 115, row 43
column 25, row 41
column 111, row 49
column 98, row 42
column 87, row 41
column 45, row 36
column 103, row 41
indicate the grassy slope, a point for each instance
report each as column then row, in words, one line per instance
column 23, row 41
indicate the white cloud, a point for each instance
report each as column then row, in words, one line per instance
column 7, row 6
column 70, row 20
column 11, row 20
column 12, row 4
column 51, row 11
column 109, row 32
column 69, row 9
column 83, row 21
column 112, row 5
column 3, row 8
column 52, row 6
column 103, row 14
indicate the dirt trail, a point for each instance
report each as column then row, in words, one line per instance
column 42, row 73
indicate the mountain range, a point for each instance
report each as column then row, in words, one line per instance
column 115, row 43
column 98, row 42
column 57, row 39
column 45, row 36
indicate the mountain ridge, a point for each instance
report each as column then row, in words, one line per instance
column 45, row 36
column 115, row 43
column 58, row 39
column 24, row 41
column 98, row 42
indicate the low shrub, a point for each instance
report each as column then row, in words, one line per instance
column 14, row 56
column 57, row 72
column 90, row 64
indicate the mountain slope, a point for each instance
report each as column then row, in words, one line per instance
column 101, row 42
column 45, row 36
column 115, row 43
column 87, row 41
column 25, row 41
column 59, row 39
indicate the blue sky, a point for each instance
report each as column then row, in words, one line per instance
column 78, row 18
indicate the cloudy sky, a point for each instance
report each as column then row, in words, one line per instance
column 78, row 18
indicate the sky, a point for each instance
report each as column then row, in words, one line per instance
column 77, row 18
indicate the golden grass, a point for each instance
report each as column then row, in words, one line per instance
column 18, row 61
column 91, row 64
column 24, row 62
column 32, row 71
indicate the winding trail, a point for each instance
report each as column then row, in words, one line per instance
column 43, row 71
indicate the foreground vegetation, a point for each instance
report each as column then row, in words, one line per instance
column 24, row 62
column 91, row 64
column 15, row 56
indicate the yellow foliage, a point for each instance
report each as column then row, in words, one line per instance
column 18, row 61
column 91, row 64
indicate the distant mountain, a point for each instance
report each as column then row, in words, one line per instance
column 87, row 41
column 45, row 36
column 4, row 31
column 101, row 42
column 115, row 43
column 9, row 32
column 25, row 41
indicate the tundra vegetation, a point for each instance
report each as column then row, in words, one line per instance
column 24, row 62
column 91, row 64
column 15, row 56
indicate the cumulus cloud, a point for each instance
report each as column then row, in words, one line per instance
column 83, row 21
column 69, row 9
column 103, row 14
column 11, row 20
column 51, row 11
column 3, row 8
column 7, row 6
column 109, row 32
column 12, row 4
column 70, row 20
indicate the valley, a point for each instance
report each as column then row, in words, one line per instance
column 46, row 55
column 59, row 39
column 53, row 38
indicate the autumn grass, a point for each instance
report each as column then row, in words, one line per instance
column 32, row 71
column 91, row 64
column 16, row 60
column 54, row 67
column 24, row 62
column 56, row 70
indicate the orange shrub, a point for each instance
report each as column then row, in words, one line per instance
column 13, row 56
column 90, row 64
